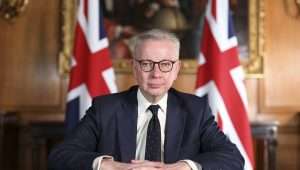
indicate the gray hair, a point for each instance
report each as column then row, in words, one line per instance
column 154, row 34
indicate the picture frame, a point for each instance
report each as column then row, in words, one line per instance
column 252, row 62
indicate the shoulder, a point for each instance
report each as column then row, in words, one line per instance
column 188, row 98
column 195, row 108
column 116, row 98
column 105, row 107
column 191, row 103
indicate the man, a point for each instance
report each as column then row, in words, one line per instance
column 150, row 126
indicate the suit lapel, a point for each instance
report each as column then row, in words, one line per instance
column 174, row 129
column 127, row 122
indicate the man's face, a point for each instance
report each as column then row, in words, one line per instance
column 154, row 84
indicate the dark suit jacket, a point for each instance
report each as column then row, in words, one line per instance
column 109, row 128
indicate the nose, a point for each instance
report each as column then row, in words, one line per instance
column 156, row 71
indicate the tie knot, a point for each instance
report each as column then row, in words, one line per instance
column 154, row 109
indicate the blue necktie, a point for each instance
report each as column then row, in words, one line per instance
column 153, row 143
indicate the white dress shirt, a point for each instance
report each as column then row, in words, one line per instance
column 144, row 116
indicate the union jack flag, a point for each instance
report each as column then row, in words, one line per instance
column 221, row 77
column 91, row 73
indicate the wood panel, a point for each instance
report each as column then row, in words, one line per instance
column 279, row 93
column 288, row 150
column 29, row 48
column 8, row 141
column 280, row 88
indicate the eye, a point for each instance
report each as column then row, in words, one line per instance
column 146, row 63
column 165, row 64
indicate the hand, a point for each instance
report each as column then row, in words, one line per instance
column 146, row 165
column 149, row 165
column 109, row 164
column 180, row 165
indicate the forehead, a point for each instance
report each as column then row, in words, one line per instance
column 157, row 49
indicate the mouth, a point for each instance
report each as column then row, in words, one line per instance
column 155, row 86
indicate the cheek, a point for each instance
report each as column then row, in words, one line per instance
column 140, row 77
column 168, row 80
column 171, row 78
column 175, row 73
column 136, row 73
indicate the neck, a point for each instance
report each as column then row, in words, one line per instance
column 152, row 99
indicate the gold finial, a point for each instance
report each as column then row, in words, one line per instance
column 10, row 9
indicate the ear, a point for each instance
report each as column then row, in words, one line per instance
column 178, row 67
column 133, row 68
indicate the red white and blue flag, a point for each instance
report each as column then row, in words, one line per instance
column 221, row 77
column 91, row 73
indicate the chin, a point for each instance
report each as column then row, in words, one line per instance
column 156, row 92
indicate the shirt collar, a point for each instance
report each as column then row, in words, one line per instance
column 143, row 103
